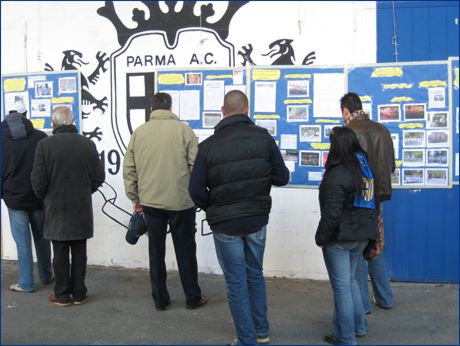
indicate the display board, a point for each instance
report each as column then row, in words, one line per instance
column 453, row 86
column 198, row 94
column 299, row 106
column 41, row 93
column 411, row 100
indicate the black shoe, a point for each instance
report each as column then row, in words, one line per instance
column 162, row 307
column 330, row 339
column 203, row 301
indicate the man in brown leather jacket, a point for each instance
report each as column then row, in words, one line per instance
column 376, row 140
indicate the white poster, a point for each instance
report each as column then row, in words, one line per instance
column 175, row 101
column 40, row 108
column 189, row 105
column 437, row 98
column 328, row 89
column 16, row 97
column 214, row 93
column 288, row 141
column 265, row 97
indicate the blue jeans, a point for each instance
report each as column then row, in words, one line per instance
column 341, row 259
column 380, row 283
column 241, row 260
column 22, row 222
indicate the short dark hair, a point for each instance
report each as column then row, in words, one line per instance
column 351, row 101
column 160, row 101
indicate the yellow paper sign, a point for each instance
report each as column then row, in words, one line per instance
column 266, row 74
column 297, row 102
column 324, row 146
column 68, row 99
column 14, row 84
column 456, row 77
column 222, row 76
column 411, row 126
column 171, row 78
column 387, row 72
column 398, row 163
column 432, row 83
column 365, row 98
column 266, row 116
column 38, row 123
column 327, row 121
column 298, row 76
column 401, row 99
column 397, row 86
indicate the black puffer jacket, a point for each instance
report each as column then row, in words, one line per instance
column 19, row 139
column 340, row 220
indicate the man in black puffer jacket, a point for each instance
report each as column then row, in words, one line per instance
column 25, row 210
column 231, row 180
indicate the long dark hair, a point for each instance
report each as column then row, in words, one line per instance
column 344, row 145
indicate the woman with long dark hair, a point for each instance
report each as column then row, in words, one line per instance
column 348, row 221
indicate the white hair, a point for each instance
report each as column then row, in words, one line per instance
column 62, row 115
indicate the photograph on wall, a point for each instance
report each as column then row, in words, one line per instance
column 437, row 157
column 414, row 111
column 437, row 120
column 13, row 99
column 310, row 133
column 290, row 159
column 211, row 119
column 310, row 158
column 413, row 176
column 388, row 113
column 413, row 157
column 297, row 113
column 436, row 176
column 396, row 177
column 437, row 97
column 193, row 79
column 413, row 138
column 43, row 89
column 270, row 125
column 395, row 140
column 437, row 138
column 325, row 155
column 298, row 88
column 67, row 85
column 327, row 130
column 288, row 142
column 40, row 108
column 55, row 105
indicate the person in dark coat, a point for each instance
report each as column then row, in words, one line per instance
column 66, row 172
column 348, row 221
column 25, row 210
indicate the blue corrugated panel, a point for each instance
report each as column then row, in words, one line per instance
column 421, row 226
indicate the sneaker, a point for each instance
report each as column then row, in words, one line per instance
column 263, row 340
column 330, row 339
column 53, row 299
column 203, row 301
column 17, row 288
column 80, row 301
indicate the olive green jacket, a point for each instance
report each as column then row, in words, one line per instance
column 158, row 162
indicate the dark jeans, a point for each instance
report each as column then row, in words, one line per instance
column 70, row 278
column 182, row 226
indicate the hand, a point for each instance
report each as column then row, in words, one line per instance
column 137, row 207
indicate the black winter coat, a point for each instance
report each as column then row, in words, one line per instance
column 340, row 220
column 19, row 139
column 66, row 172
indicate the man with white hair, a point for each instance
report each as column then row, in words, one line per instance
column 19, row 139
column 65, row 173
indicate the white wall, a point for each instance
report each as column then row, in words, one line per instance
column 35, row 33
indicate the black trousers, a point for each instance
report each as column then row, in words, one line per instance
column 182, row 226
column 70, row 277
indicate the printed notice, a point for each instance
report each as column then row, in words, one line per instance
column 315, row 176
column 190, row 105
column 290, row 165
column 32, row 79
column 265, row 97
column 288, row 141
column 213, row 94
column 328, row 88
column 238, row 76
column 175, row 101
column 436, row 97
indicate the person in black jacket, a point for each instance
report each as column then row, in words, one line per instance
column 66, row 172
column 345, row 229
column 25, row 210
column 231, row 180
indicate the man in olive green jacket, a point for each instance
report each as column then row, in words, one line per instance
column 156, row 173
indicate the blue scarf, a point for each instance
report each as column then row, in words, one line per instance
column 367, row 198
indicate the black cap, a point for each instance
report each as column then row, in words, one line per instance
column 136, row 228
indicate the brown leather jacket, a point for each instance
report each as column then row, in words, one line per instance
column 375, row 139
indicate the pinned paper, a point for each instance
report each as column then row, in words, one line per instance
column 171, row 78
column 387, row 72
column 266, row 74
column 68, row 99
column 266, row 116
column 222, row 76
column 397, row 86
column 365, row 98
column 398, row 163
column 411, row 126
column 327, row 121
column 323, row 146
column 38, row 123
column 297, row 102
column 298, row 76
column 399, row 99
column 432, row 83
column 14, row 84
